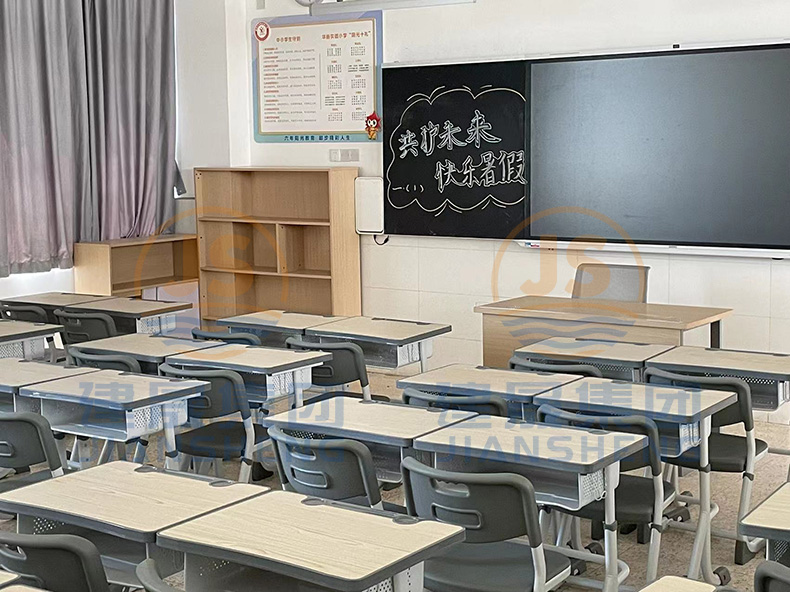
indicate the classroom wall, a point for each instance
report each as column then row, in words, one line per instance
column 442, row 279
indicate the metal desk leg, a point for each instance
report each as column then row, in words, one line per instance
column 715, row 335
column 612, row 477
column 423, row 356
column 298, row 390
column 700, row 554
column 168, row 420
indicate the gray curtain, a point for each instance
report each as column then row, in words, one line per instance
column 87, row 125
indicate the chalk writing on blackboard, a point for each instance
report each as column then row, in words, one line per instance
column 451, row 128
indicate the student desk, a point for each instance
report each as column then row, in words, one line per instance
column 275, row 326
column 686, row 412
column 20, row 339
column 134, row 315
column 387, row 343
column 676, row 584
column 8, row 578
column 113, row 406
column 768, row 374
column 771, row 521
column 285, row 372
column 569, row 467
column 120, row 507
column 511, row 324
column 20, row 588
column 16, row 373
column 51, row 301
column 466, row 380
column 615, row 359
column 149, row 350
column 281, row 540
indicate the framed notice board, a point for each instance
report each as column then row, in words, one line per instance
column 456, row 155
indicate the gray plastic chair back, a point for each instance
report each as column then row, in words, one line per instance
column 333, row 469
column 626, row 283
column 491, row 507
column 242, row 338
column 54, row 562
column 24, row 312
column 481, row 404
column 25, row 440
column 634, row 424
column 523, row 365
column 150, row 579
column 79, row 327
column 227, row 395
column 104, row 361
column 347, row 364
column 739, row 412
column 772, row 577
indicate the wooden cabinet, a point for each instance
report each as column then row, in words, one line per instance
column 126, row 267
column 280, row 239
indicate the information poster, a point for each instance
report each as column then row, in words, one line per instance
column 317, row 79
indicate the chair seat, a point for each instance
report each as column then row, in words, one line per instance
column 633, row 501
column 491, row 567
column 727, row 454
column 223, row 439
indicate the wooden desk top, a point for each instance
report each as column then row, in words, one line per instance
column 250, row 358
column 544, row 445
column 338, row 546
column 20, row 588
column 577, row 350
column 134, row 308
column 7, row 578
column 676, row 584
column 55, row 299
column 148, row 348
column 371, row 421
column 770, row 519
column 112, row 389
column 664, row 316
column 120, row 498
column 16, row 373
column 660, row 403
column 463, row 379
column 279, row 321
column 377, row 330
column 754, row 364
column 16, row 330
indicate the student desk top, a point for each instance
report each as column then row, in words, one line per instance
column 336, row 546
column 20, row 588
column 279, row 321
column 143, row 347
column 390, row 424
column 464, row 379
column 131, row 308
column 54, row 299
column 16, row 374
column 771, row 519
column 250, row 358
column 125, row 499
column 22, row 330
column 511, row 324
column 8, row 578
column 676, row 584
column 378, row 330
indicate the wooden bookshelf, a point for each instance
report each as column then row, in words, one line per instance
column 281, row 239
column 126, row 267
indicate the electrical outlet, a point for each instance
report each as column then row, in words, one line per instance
column 349, row 155
column 261, row 5
column 335, row 155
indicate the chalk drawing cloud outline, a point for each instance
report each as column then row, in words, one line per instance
column 437, row 94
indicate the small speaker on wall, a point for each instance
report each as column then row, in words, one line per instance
column 369, row 196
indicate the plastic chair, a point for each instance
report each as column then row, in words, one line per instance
column 728, row 453
column 347, row 365
column 639, row 500
column 79, row 327
column 328, row 468
column 31, row 314
column 149, row 577
column 104, row 361
column 54, row 562
column 523, row 365
column 493, row 508
column 772, row 577
column 219, row 440
column 481, row 404
column 26, row 440
column 242, row 338
column 626, row 283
